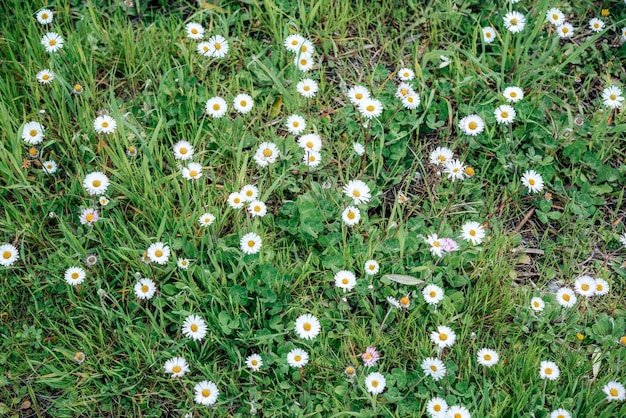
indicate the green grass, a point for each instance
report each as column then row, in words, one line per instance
column 137, row 64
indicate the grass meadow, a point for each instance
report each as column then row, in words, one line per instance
column 313, row 208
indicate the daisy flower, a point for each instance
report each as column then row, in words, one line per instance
column 358, row 149
column 349, row 372
column 266, row 154
column 533, row 181
column 549, row 370
column 537, row 304
column 405, row 302
column 91, row 260
column 312, row 158
column 310, row 142
column 194, row 327
column 307, row 88
column 611, row 97
column 596, row 24
column 103, row 201
column 183, row 150
column 433, row 294
column 370, row 356
column 472, row 125
column 513, row 94
column 182, row 263
column 436, row 247
column 32, row 133
column 514, row 22
column 8, row 254
column 145, row 289
column 449, row 245
column 371, row 267
column 456, row 411
column 473, row 232
column 406, row 74
column 304, row 62
column 351, row 216
column 434, row 368
column 257, row 208
column 487, row 357
column 75, row 275
column 345, row 280
column 104, row 124
column 235, row 200
column 403, row 90
column 206, row 393
column 297, row 358
column 296, row 124
column 194, row 30
column 77, row 89
column 50, row 167
column 216, row 107
column 250, row 243
column 437, row 407
column 585, row 286
column 623, row 37
column 88, row 216
column 243, row 103
column 565, row 30
column 443, row 337
column 158, row 253
column 504, row 114
column 254, row 362
column 52, row 41
column 615, row 391
column 489, row 34
column 566, row 297
column 375, row 383
column 206, row 219
column 370, row 108
column 204, row 49
column 455, row 170
column 96, row 183
column 177, row 366
column 560, row 413
column 218, row 46
column 44, row 16
column 602, row 287
column 357, row 94
column 305, row 47
column 293, row 42
column 411, row 101
column 307, row 327
column 440, row 156
column 192, row 172
column 393, row 302
column 358, row 191
column 45, row 76
column 249, row 193
column 555, row 16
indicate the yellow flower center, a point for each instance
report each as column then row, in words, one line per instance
column 513, row 94
column 33, row 132
column 218, row 46
column 75, row 275
column 370, row 108
column 504, row 114
column 548, row 370
column 237, row 200
column 184, row 262
column 194, row 31
column 44, row 16
column 303, row 48
column 358, row 96
column 78, row 87
column 6, row 255
column 566, row 297
column 294, row 42
column 580, row 336
column 406, row 74
column 254, row 362
column 531, row 182
column 488, row 35
column 216, row 107
column 599, row 287
column 295, row 123
column 257, row 208
column 312, row 158
column 176, row 369
column 105, row 124
column 251, row 243
column 356, row 193
column 194, row 327
column 183, row 151
column 297, row 358
column 206, row 393
column 303, row 62
column 145, row 288
column 469, row 171
column 32, row 151
column 433, row 368
column 565, row 30
column 436, row 244
column 267, row 152
column 472, row 233
column 249, row 193
column 404, row 301
column 623, row 340
column 243, row 103
column 375, row 383
column 372, row 267
column 52, row 42
column 404, row 92
column 432, row 294
column 456, row 169
column 596, row 25
column 307, row 327
column 613, row 97
column 158, row 253
column 205, row 48
column 442, row 158
column 536, row 304
column 585, row 287
column 351, row 215
column 458, row 415
column 345, row 281
column 472, row 125
column 555, row 16
column 368, row 356
column 514, row 21
column 437, row 408
column 443, row 337
column 613, row 392
column 46, row 76
column 350, row 370
column 306, row 88
column 89, row 217
column 487, row 357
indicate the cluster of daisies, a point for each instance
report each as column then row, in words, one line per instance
column 216, row 46
column 585, row 286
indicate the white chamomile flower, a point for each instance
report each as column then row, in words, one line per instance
column 406, row 74
column 487, row 357
column 514, row 22
column 504, row 114
column 434, row 368
column 250, row 243
column 436, row 246
column 49, row 167
column 249, row 193
column 158, row 253
column 345, row 280
column 297, row 358
column 533, row 181
column 193, row 171
column 310, row 142
column 357, row 94
column 513, row 94
column 312, row 158
column 489, row 34
column 45, row 16
column 566, row 297
column 206, row 393
column 433, row 294
column 411, row 101
column 304, row 62
column 585, row 286
column 52, row 41
column 566, row 30
column 614, row 391
column 472, row 125
column 351, row 216
column 45, row 76
column 75, row 275
column 437, row 407
column 194, row 30
column 602, row 287
column 612, row 97
column 257, row 208
column 443, row 337
column 183, row 263
column 32, row 133
column 243, row 103
column 194, row 327
column 440, row 156
column 307, row 327
column 358, row 191
column 216, row 107
column 96, row 183
column 295, row 124
column 8, row 254
column 176, row 366
column 254, row 362
column 473, row 232
column 183, row 150
column 596, row 24
column 266, row 154
column 235, row 200
column 104, row 124
column 537, row 304
column 293, row 42
column 218, row 46
column 549, row 370
column 455, row 169
column 375, row 383
column 371, row 267
column 307, row 88
column 371, row 108
column 206, row 219
column 145, row 289
column 555, row 16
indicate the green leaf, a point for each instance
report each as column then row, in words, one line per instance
column 403, row 279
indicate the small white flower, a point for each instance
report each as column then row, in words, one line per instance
column 370, row 108
column 194, row 327
column 433, row 294
column 437, row 407
column 411, row 101
column 487, row 357
column 32, row 133
column 49, row 167
column 266, row 154
column 251, row 243
column 249, row 193
column 310, row 142
column 565, row 30
column 514, row 22
column 513, row 94
column 549, row 370
column 489, row 34
column 537, row 304
column 183, row 150
column 358, row 149
column 206, row 219
column 456, row 411
column 585, row 286
column 304, row 62
column 177, row 366
column 216, row 107
column 52, row 41
column 504, row 114
column 404, row 89
column 375, row 383
column 441, row 156
column 182, row 263
column 257, row 208
column 596, row 24
column 8, row 254
column 614, row 391
column 434, row 367
column 555, row 16
column 192, row 172
column 533, row 181
column 297, row 358
column 406, row 74
column 307, row 327
column 235, row 200
column 371, row 267
column 45, row 76
column 436, row 246
column 472, row 125
column 307, row 88
column 45, row 16
column 218, row 46
column 473, row 232
column 612, row 97
column 443, row 337
column 560, row 413
column 455, row 170
column 358, row 191
column 158, row 253
column 345, row 280
column 351, row 216
column 75, row 275
column 602, row 287
column 293, row 42
column 566, row 297
column 243, row 103
column 357, row 94
column 96, row 183
column 145, row 289
column 104, row 124
column 296, row 124
column 194, row 30
column 206, row 393
column 254, row 362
